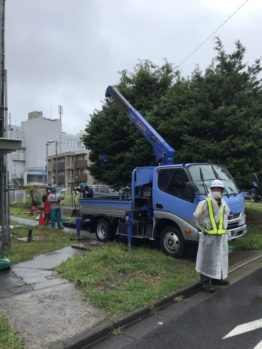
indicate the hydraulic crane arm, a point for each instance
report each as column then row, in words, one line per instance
column 164, row 153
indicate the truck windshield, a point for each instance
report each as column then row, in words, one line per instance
column 203, row 175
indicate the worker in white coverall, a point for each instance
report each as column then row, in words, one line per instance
column 212, row 256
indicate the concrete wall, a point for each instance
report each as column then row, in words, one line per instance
column 16, row 160
column 37, row 132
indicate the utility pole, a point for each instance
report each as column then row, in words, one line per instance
column 2, row 68
column 4, row 209
column 56, row 164
column 56, row 159
column 6, row 146
column 60, row 112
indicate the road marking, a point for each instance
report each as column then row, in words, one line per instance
column 247, row 327
column 259, row 345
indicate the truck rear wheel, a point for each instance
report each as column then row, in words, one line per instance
column 103, row 230
column 172, row 242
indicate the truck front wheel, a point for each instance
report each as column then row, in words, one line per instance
column 102, row 229
column 172, row 242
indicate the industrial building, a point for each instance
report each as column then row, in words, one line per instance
column 41, row 137
column 70, row 169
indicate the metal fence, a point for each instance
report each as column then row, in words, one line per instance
column 17, row 195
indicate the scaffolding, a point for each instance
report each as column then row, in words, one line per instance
column 6, row 145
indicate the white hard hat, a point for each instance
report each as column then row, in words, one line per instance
column 217, row 183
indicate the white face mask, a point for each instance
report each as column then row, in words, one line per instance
column 216, row 194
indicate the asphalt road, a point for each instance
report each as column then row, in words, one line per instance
column 201, row 322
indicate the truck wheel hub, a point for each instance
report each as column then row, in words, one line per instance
column 101, row 230
column 172, row 242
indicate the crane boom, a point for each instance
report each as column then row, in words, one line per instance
column 164, row 153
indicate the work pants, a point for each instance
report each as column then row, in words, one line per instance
column 55, row 215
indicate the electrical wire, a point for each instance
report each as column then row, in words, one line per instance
column 210, row 36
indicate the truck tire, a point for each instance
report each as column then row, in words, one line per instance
column 103, row 230
column 172, row 242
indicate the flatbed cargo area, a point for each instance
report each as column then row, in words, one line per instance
column 113, row 206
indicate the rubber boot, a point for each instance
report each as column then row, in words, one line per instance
column 220, row 282
column 203, row 279
column 207, row 284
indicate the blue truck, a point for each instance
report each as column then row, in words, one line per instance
column 163, row 197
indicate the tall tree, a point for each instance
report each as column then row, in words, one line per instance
column 217, row 117
column 213, row 116
column 111, row 136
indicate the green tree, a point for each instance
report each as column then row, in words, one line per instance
column 217, row 115
column 111, row 133
column 213, row 116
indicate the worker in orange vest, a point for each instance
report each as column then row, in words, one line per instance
column 47, row 206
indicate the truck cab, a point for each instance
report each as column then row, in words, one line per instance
column 170, row 194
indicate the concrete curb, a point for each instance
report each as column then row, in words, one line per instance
column 242, row 264
column 100, row 332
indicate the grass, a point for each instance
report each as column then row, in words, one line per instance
column 22, row 212
column 118, row 281
column 44, row 240
column 253, row 239
column 8, row 339
column 70, row 200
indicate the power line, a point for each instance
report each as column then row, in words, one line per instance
column 214, row 32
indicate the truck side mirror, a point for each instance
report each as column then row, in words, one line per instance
column 190, row 191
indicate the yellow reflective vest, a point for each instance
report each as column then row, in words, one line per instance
column 216, row 229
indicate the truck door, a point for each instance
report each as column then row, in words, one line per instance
column 171, row 199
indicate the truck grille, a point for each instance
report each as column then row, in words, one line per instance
column 233, row 220
column 232, row 225
column 233, row 216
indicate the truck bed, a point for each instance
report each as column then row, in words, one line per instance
column 113, row 207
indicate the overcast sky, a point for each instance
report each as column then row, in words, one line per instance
column 66, row 52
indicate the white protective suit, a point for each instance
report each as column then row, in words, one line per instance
column 212, row 254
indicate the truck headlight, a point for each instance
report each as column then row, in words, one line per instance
column 242, row 219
